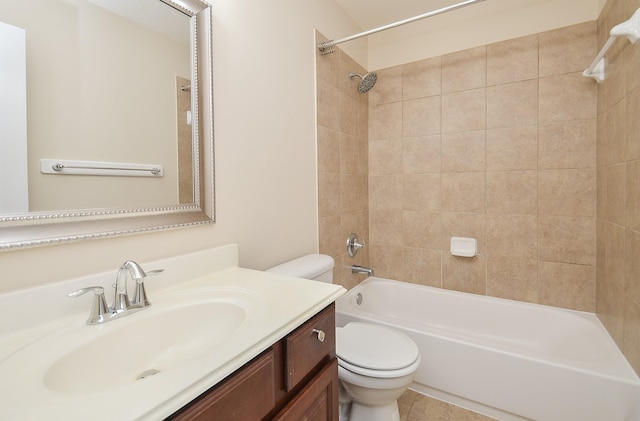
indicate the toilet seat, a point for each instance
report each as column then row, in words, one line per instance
column 375, row 351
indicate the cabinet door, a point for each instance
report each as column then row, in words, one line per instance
column 248, row 395
column 318, row 400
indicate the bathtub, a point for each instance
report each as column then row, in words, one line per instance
column 506, row 359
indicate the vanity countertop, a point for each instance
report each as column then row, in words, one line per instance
column 46, row 327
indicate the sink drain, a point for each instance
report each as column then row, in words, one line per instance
column 148, row 373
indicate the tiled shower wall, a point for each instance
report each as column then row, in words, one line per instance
column 343, row 198
column 497, row 143
column 618, row 173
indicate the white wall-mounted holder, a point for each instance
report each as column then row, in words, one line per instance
column 463, row 246
column 629, row 29
column 68, row 167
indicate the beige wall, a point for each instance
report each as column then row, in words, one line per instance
column 265, row 130
column 618, row 210
column 476, row 25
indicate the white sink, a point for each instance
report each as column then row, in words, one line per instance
column 144, row 344
column 177, row 330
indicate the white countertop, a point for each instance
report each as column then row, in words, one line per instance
column 281, row 304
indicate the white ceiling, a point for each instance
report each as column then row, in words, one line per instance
column 369, row 14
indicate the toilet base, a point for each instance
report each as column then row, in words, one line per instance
column 388, row 412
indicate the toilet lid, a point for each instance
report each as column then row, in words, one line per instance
column 375, row 347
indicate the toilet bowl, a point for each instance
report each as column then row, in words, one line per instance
column 376, row 364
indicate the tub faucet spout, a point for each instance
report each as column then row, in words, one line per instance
column 361, row 269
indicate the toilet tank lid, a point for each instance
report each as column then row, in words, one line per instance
column 307, row 267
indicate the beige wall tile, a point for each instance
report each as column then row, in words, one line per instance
column 328, row 111
column 512, row 236
column 566, row 285
column 422, row 154
column 632, row 333
column 348, row 115
column 615, row 189
column 464, row 70
column 567, row 97
column 385, row 157
column 385, row 227
column 514, row 279
column 567, row 239
column 566, row 50
column 328, row 150
column 385, row 121
column 328, row 194
column 388, row 261
column 422, row 78
column 471, row 225
column 422, row 192
column 464, row 152
column 327, row 65
column 632, row 265
column 614, row 255
column 464, row 111
column 422, row 267
column 632, row 60
column 353, row 192
column 388, row 86
column 349, row 86
column 512, row 104
column 610, row 307
column 633, row 124
column 464, row 274
column 570, row 144
column 421, row 117
column 329, row 236
column 512, row 192
column 617, row 133
column 632, row 192
column 385, row 192
column 512, row 60
column 421, row 229
column 567, row 192
column 463, row 192
column 512, row 148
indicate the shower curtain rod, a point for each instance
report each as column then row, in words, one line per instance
column 327, row 46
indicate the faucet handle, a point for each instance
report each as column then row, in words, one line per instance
column 140, row 295
column 99, row 308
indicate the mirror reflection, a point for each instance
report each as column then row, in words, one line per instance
column 98, row 81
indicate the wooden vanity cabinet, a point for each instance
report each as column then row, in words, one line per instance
column 295, row 379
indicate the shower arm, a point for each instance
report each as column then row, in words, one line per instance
column 327, row 46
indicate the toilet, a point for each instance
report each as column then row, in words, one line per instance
column 376, row 364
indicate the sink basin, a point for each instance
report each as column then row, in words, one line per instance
column 145, row 346
column 178, row 330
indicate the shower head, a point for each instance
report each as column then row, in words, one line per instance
column 366, row 82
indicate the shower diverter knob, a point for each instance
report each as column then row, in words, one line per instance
column 353, row 245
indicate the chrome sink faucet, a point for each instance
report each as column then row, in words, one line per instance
column 122, row 305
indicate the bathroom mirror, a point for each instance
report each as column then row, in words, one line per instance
column 173, row 128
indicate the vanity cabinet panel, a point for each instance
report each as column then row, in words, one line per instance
column 295, row 379
column 318, row 401
column 309, row 346
column 249, row 394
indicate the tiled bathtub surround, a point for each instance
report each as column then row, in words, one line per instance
column 497, row 143
column 618, row 177
column 343, row 199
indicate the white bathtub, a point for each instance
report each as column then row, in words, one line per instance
column 506, row 359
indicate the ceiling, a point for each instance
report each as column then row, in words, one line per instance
column 369, row 14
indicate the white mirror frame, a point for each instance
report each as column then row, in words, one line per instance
column 45, row 228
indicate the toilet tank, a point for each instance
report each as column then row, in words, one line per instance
column 318, row 267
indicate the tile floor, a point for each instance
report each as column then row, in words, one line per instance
column 417, row 407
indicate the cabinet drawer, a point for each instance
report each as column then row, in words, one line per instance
column 304, row 348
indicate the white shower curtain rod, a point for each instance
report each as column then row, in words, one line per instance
column 327, row 46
